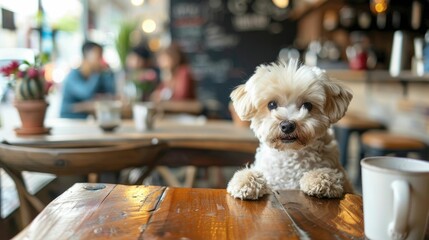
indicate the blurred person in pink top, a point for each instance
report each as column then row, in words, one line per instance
column 177, row 82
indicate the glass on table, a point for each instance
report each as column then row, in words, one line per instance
column 108, row 114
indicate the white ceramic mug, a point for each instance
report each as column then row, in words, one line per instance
column 144, row 114
column 395, row 197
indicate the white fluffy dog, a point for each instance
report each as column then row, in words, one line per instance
column 291, row 108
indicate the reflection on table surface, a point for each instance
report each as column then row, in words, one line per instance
column 151, row 212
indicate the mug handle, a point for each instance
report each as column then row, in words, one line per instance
column 401, row 205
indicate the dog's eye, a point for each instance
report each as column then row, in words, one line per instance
column 307, row 105
column 272, row 105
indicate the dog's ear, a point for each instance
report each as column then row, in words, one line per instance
column 338, row 98
column 242, row 103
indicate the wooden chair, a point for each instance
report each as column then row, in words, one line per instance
column 381, row 143
column 193, row 157
column 348, row 125
column 6, row 56
column 71, row 160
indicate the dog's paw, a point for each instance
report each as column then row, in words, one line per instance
column 323, row 183
column 247, row 184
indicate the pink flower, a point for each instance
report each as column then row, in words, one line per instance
column 149, row 75
column 10, row 69
column 5, row 70
column 20, row 74
column 33, row 73
column 14, row 65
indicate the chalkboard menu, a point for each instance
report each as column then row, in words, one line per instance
column 226, row 39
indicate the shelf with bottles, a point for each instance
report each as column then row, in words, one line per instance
column 357, row 16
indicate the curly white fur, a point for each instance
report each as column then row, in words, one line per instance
column 310, row 160
column 248, row 184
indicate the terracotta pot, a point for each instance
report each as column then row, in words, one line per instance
column 236, row 119
column 32, row 113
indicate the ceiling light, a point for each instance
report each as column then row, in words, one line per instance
column 379, row 6
column 137, row 2
column 149, row 26
column 281, row 3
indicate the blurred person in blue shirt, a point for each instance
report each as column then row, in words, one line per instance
column 92, row 79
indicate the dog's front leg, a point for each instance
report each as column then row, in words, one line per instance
column 323, row 183
column 247, row 184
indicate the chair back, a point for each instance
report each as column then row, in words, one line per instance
column 80, row 160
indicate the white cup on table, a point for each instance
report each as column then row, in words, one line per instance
column 144, row 114
column 395, row 197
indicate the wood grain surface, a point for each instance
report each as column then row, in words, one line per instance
column 83, row 160
column 149, row 212
column 325, row 218
column 80, row 147
column 212, row 214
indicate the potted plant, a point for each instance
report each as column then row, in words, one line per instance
column 144, row 82
column 123, row 41
column 29, row 84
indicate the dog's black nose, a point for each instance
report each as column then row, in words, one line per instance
column 288, row 126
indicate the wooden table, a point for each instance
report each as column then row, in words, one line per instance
column 197, row 143
column 197, row 134
column 188, row 107
column 101, row 211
